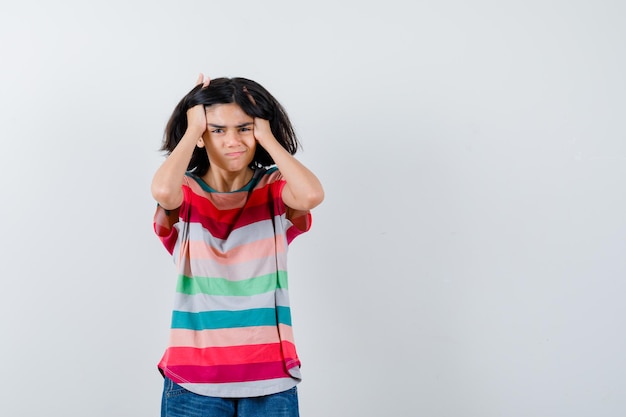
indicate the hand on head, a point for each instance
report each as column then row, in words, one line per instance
column 204, row 80
column 262, row 130
column 196, row 116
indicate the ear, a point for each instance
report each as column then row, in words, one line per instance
column 200, row 143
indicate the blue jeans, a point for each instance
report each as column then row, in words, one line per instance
column 178, row 402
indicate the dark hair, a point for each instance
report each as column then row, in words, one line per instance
column 253, row 99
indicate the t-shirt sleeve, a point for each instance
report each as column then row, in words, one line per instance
column 164, row 221
column 298, row 221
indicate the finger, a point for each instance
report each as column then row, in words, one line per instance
column 245, row 90
column 200, row 78
column 206, row 82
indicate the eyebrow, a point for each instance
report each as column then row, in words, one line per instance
column 223, row 127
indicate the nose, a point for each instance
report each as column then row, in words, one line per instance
column 233, row 138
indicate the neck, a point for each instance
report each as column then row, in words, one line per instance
column 227, row 181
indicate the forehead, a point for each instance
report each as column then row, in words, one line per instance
column 230, row 112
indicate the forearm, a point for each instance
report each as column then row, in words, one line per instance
column 168, row 179
column 303, row 190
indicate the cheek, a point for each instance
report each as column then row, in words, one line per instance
column 250, row 141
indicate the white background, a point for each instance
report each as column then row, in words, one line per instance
column 469, row 258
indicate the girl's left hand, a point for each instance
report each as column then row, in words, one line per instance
column 262, row 131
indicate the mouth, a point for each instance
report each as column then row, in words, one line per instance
column 235, row 154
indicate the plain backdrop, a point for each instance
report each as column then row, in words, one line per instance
column 469, row 258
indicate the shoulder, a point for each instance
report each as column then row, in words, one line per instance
column 267, row 175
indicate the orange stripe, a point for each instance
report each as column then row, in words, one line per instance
column 224, row 337
column 249, row 251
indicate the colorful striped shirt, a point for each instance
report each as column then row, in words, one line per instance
column 231, row 333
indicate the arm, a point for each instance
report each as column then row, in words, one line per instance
column 303, row 190
column 168, row 179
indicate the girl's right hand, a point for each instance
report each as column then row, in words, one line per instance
column 204, row 80
column 196, row 120
column 196, row 116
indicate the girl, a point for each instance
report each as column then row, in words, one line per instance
column 231, row 197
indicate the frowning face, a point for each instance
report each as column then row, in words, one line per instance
column 229, row 138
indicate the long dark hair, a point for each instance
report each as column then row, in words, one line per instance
column 253, row 99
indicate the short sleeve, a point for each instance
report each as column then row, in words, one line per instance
column 164, row 221
column 298, row 221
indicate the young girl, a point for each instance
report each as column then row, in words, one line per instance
column 231, row 197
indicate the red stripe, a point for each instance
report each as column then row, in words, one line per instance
column 289, row 351
column 163, row 227
column 221, row 222
column 226, row 373
column 222, row 225
column 259, row 197
column 230, row 355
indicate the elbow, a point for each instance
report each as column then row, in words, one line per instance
column 312, row 199
column 317, row 198
column 167, row 198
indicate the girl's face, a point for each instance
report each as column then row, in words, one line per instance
column 229, row 138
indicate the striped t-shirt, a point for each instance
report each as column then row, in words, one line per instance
column 231, row 333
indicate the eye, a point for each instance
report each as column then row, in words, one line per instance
column 217, row 130
column 245, row 129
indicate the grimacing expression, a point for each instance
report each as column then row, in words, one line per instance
column 229, row 138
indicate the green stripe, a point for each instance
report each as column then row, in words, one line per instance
column 222, row 286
